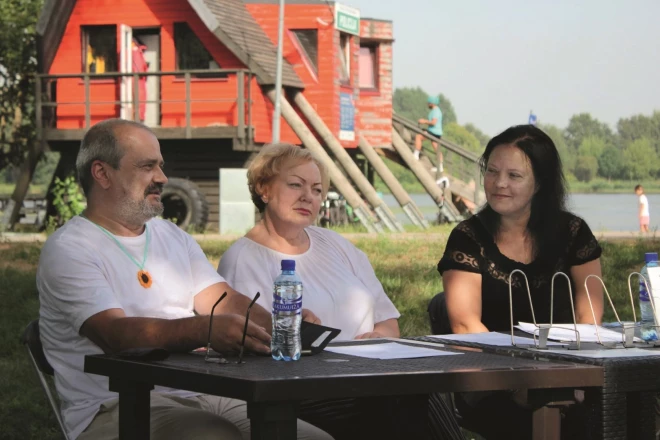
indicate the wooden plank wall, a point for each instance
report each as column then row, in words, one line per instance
column 56, row 15
column 142, row 14
column 375, row 108
column 322, row 90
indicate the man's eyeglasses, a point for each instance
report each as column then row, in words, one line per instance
column 247, row 319
column 216, row 359
column 219, row 359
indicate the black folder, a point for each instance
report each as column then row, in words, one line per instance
column 314, row 337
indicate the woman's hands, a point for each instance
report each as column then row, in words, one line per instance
column 370, row 335
column 384, row 329
column 309, row 316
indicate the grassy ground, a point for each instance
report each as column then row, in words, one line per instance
column 405, row 264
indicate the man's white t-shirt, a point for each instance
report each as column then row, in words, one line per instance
column 339, row 284
column 82, row 272
column 644, row 201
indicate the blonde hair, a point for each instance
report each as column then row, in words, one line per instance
column 268, row 165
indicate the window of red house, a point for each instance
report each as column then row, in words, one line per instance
column 368, row 77
column 191, row 53
column 99, row 46
column 308, row 41
column 345, row 56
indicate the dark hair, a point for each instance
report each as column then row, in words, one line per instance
column 101, row 143
column 639, row 187
column 549, row 201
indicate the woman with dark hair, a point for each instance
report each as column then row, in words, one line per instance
column 525, row 226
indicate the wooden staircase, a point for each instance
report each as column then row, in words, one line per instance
column 463, row 196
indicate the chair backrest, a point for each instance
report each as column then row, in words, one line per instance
column 30, row 337
column 32, row 341
column 439, row 316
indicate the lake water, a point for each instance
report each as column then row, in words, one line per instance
column 603, row 212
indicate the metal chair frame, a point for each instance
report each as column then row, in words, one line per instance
column 32, row 342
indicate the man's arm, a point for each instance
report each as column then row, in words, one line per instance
column 238, row 303
column 113, row 332
column 429, row 122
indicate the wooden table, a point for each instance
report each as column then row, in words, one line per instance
column 274, row 389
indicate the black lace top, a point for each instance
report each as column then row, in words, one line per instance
column 471, row 248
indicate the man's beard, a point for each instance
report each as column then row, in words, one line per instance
column 141, row 211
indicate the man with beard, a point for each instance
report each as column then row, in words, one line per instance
column 116, row 278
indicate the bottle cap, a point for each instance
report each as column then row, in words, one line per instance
column 648, row 257
column 291, row 264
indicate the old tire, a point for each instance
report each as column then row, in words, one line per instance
column 185, row 204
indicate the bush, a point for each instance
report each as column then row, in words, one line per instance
column 586, row 168
column 67, row 200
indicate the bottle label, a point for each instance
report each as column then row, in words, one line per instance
column 282, row 305
column 643, row 294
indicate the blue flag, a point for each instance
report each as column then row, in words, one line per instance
column 532, row 118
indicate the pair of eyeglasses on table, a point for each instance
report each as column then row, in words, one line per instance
column 218, row 359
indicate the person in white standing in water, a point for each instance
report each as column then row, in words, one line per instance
column 644, row 213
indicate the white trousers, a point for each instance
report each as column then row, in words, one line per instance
column 200, row 418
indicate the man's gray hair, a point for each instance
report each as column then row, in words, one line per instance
column 101, row 143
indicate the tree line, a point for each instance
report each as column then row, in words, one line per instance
column 588, row 147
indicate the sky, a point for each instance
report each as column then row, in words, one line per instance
column 498, row 59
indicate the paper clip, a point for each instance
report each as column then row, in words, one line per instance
column 543, row 329
column 628, row 334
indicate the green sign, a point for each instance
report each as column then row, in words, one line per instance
column 347, row 19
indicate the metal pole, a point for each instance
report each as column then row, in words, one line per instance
column 278, row 76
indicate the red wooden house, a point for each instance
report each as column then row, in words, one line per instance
column 197, row 72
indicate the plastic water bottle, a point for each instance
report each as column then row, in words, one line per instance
column 648, row 331
column 287, row 314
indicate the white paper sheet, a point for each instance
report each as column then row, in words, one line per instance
column 491, row 338
column 388, row 350
column 566, row 333
column 607, row 353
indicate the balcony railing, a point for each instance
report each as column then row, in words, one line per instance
column 214, row 82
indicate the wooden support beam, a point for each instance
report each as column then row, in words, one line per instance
column 188, row 107
column 417, row 168
column 440, row 197
column 336, row 176
column 400, row 194
column 353, row 171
